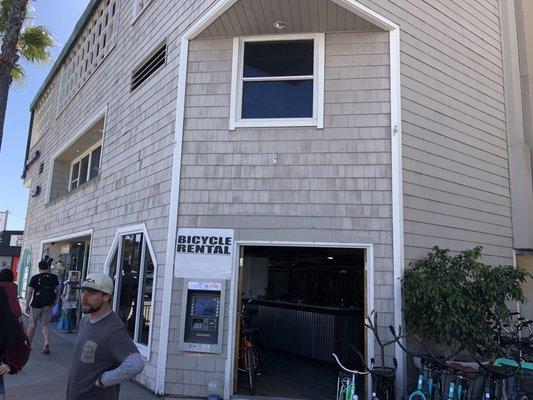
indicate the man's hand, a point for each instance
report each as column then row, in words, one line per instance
column 99, row 384
column 4, row 369
column 27, row 309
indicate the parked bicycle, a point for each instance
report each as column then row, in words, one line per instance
column 433, row 372
column 253, row 347
column 347, row 385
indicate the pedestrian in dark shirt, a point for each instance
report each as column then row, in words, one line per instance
column 104, row 354
column 14, row 348
column 40, row 295
column 11, row 288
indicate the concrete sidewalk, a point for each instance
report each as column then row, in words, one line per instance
column 45, row 376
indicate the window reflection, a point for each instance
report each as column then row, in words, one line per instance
column 133, row 294
column 146, row 297
column 129, row 280
column 113, row 267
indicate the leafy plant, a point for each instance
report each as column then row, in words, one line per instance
column 20, row 39
column 449, row 299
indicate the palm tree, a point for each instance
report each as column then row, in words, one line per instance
column 32, row 43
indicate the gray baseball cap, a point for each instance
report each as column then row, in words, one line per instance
column 98, row 281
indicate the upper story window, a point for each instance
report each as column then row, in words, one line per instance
column 78, row 161
column 278, row 82
column 92, row 47
column 85, row 167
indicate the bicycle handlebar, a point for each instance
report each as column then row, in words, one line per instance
column 493, row 371
column 355, row 372
column 439, row 361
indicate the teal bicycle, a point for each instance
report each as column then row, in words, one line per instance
column 346, row 385
column 432, row 373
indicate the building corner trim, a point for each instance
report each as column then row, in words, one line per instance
column 172, row 219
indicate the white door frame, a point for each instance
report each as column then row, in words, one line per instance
column 234, row 293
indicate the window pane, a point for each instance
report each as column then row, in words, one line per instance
column 280, row 58
column 129, row 280
column 146, row 297
column 95, row 162
column 113, row 266
column 84, row 166
column 277, row 99
column 74, row 175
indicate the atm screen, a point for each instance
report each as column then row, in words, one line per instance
column 205, row 306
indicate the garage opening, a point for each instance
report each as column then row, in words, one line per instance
column 298, row 305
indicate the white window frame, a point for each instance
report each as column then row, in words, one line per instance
column 236, row 120
column 78, row 159
column 116, row 246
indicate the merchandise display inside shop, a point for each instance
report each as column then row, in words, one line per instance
column 307, row 303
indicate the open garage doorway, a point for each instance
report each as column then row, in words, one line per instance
column 298, row 305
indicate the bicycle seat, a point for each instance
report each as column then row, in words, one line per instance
column 465, row 370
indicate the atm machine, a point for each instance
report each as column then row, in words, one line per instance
column 203, row 308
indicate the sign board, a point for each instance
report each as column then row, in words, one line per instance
column 211, row 286
column 15, row 241
column 3, row 220
column 204, row 253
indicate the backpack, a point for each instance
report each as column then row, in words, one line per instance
column 46, row 294
column 17, row 356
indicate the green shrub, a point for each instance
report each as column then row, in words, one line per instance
column 449, row 299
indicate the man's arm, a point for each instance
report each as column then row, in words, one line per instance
column 131, row 366
column 29, row 296
column 124, row 352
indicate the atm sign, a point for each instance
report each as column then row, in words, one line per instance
column 212, row 286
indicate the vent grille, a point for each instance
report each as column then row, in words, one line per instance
column 41, row 168
column 149, row 67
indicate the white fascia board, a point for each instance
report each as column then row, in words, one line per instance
column 367, row 14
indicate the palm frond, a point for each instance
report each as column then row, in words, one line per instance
column 17, row 74
column 4, row 9
column 35, row 42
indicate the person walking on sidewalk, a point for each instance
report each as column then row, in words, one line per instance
column 7, row 282
column 40, row 295
column 104, row 354
column 14, row 347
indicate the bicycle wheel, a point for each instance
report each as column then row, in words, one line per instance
column 261, row 345
column 251, row 363
column 417, row 395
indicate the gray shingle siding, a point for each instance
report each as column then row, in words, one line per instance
column 330, row 185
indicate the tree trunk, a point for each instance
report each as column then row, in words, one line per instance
column 9, row 55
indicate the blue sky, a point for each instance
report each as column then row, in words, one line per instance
column 59, row 16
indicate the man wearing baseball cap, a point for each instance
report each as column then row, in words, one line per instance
column 104, row 356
